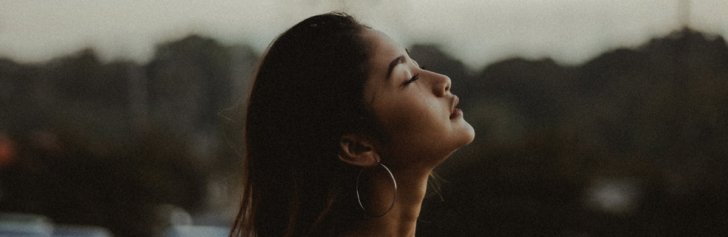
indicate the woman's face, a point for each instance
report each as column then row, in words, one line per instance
column 415, row 106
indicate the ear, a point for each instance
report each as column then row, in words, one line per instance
column 357, row 150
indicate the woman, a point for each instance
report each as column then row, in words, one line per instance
column 343, row 129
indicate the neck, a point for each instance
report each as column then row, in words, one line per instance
column 401, row 220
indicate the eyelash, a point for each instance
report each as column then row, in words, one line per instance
column 414, row 78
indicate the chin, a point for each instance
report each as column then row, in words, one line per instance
column 464, row 139
column 468, row 135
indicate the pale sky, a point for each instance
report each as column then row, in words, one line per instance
column 475, row 31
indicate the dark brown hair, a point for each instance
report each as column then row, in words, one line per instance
column 308, row 92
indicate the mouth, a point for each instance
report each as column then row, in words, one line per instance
column 455, row 112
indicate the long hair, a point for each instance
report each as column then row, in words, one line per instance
column 308, row 92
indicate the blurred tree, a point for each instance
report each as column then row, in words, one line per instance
column 124, row 138
column 106, row 143
column 654, row 117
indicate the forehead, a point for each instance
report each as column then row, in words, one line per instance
column 384, row 49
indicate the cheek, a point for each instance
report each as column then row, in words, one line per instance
column 411, row 120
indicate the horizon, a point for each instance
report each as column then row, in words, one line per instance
column 89, row 50
column 476, row 33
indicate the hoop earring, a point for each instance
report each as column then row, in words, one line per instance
column 358, row 198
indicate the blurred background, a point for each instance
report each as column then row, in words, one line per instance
column 593, row 117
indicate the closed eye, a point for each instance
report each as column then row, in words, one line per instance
column 413, row 79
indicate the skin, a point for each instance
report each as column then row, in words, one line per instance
column 425, row 128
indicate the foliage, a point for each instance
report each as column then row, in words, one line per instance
column 106, row 143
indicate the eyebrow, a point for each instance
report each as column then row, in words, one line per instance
column 394, row 63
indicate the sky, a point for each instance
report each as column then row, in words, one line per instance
column 478, row 32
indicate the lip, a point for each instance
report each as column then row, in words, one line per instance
column 455, row 112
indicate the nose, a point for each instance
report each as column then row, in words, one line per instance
column 442, row 84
